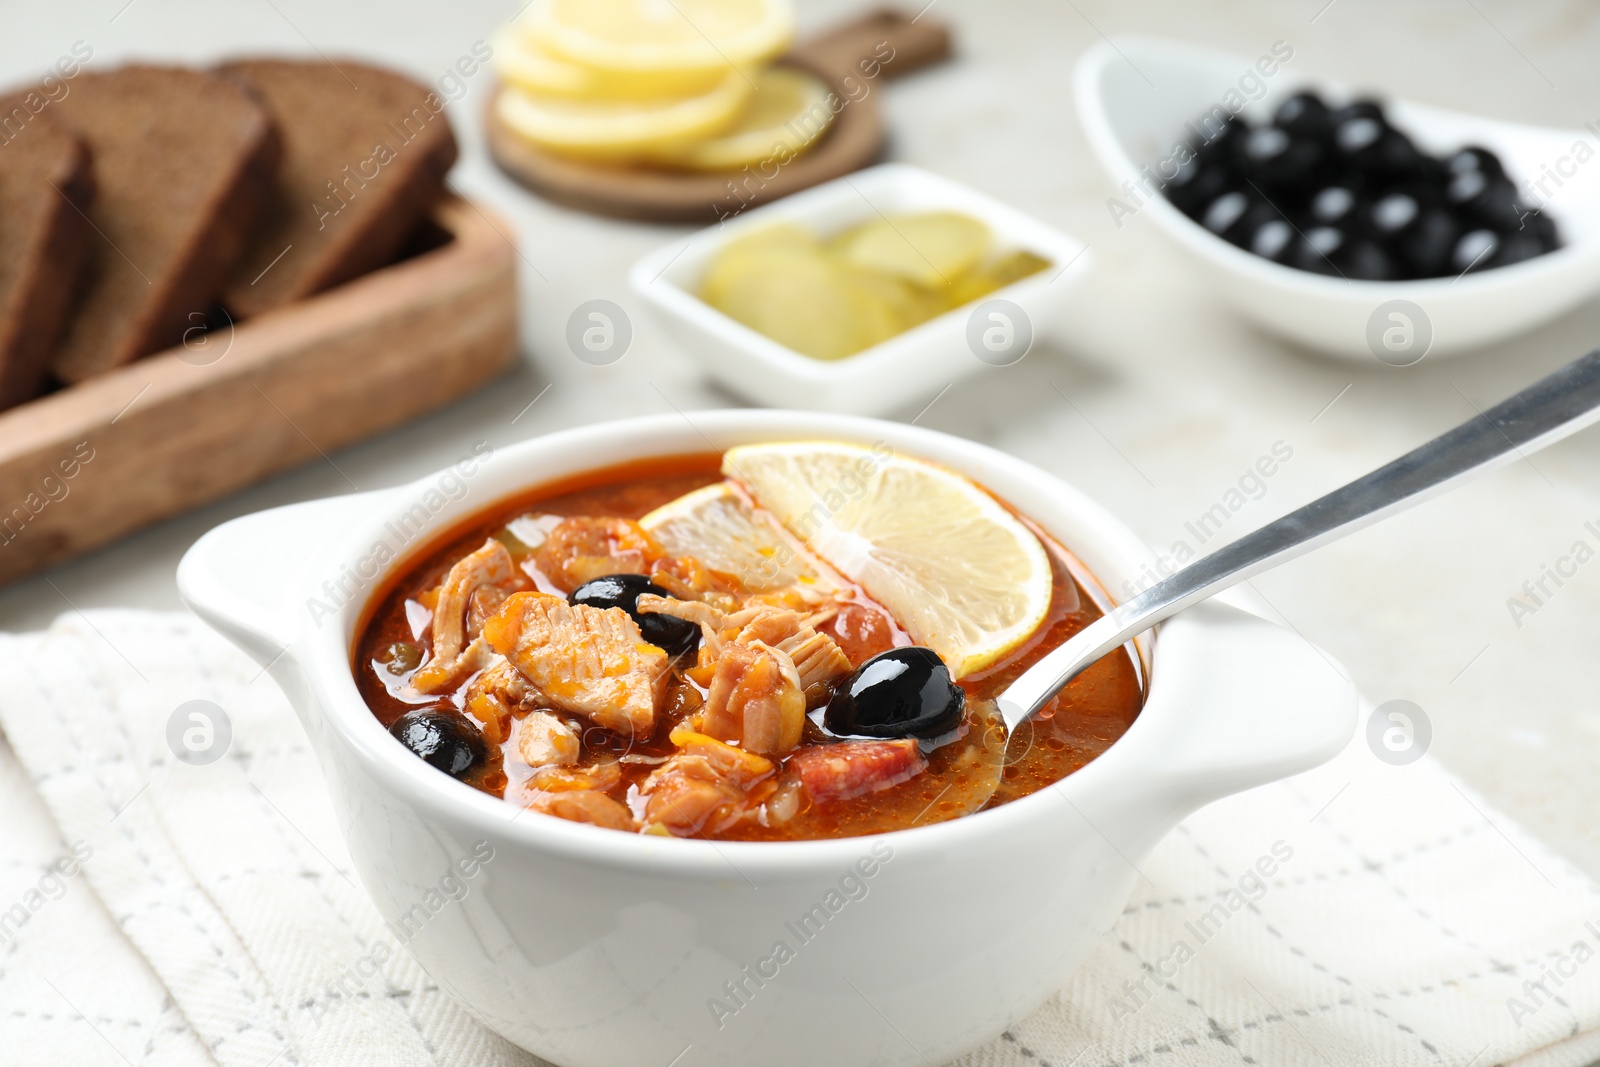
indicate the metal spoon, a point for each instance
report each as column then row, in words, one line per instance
column 1545, row 412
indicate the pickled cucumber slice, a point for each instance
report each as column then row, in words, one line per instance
column 929, row 250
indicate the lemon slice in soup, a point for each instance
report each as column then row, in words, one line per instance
column 718, row 526
column 957, row 570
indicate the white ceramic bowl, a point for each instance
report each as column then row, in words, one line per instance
column 914, row 364
column 595, row 948
column 1132, row 124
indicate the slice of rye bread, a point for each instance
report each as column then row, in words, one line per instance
column 45, row 238
column 365, row 152
column 184, row 162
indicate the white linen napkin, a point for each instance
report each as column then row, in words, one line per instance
column 156, row 912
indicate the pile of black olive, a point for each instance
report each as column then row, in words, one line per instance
column 1339, row 191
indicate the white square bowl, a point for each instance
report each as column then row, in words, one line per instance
column 1132, row 124
column 913, row 364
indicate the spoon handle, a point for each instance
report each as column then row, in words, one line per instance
column 1545, row 412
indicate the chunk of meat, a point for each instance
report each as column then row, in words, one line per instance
column 472, row 590
column 756, row 700
column 688, row 579
column 588, row 661
column 710, row 618
column 603, row 776
column 495, row 695
column 816, row 657
column 706, row 787
column 545, row 741
column 585, row 806
column 585, row 548
column 831, row 773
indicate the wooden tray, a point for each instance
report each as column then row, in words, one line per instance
column 853, row 140
column 238, row 404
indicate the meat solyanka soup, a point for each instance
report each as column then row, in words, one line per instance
column 789, row 641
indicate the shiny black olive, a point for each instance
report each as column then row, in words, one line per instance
column 904, row 692
column 1271, row 157
column 1543, row 229
column 1195, row 185
column 1474, row 251
column 1334, row 206
column 1491, row 201
column 1364, row 261
column 1304, row 115
column 670, row 634
column 1474, row 158
column 1466, row 186
column 1359, row 142
column 1217, row 144
column 1425, row 247
column 1517, row 247
column 1399, row 159
column 441, row 739
column 1320, row 251
column 1225, row 216
column 1273, row 239
column 1393, row 215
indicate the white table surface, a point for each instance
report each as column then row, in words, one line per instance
column 1171, row 397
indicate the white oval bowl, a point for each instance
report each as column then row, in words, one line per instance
column 594, row 948
column 1131, row 125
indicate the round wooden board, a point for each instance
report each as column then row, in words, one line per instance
column 852, row 141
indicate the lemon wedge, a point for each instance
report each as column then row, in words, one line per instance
column 662, row 42
column 621, row 130
column 786, row 114
column 718, row 526
column 930, row 250
column 957, row 570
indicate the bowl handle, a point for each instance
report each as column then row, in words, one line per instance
column 1265, row 704
column 244, row 578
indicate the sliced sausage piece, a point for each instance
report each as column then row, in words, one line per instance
column 831, row 773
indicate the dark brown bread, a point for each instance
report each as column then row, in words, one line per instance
column 184, row 162
column 365, row 152
column 45, row 190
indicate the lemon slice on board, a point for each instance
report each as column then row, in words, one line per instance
column 621, row 129
column 788, row 112
column 657, row 41
column 931, row 250
column 957, row 570
column 519, row 62
column 718, row 526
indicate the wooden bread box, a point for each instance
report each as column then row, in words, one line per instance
column 87, row 464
